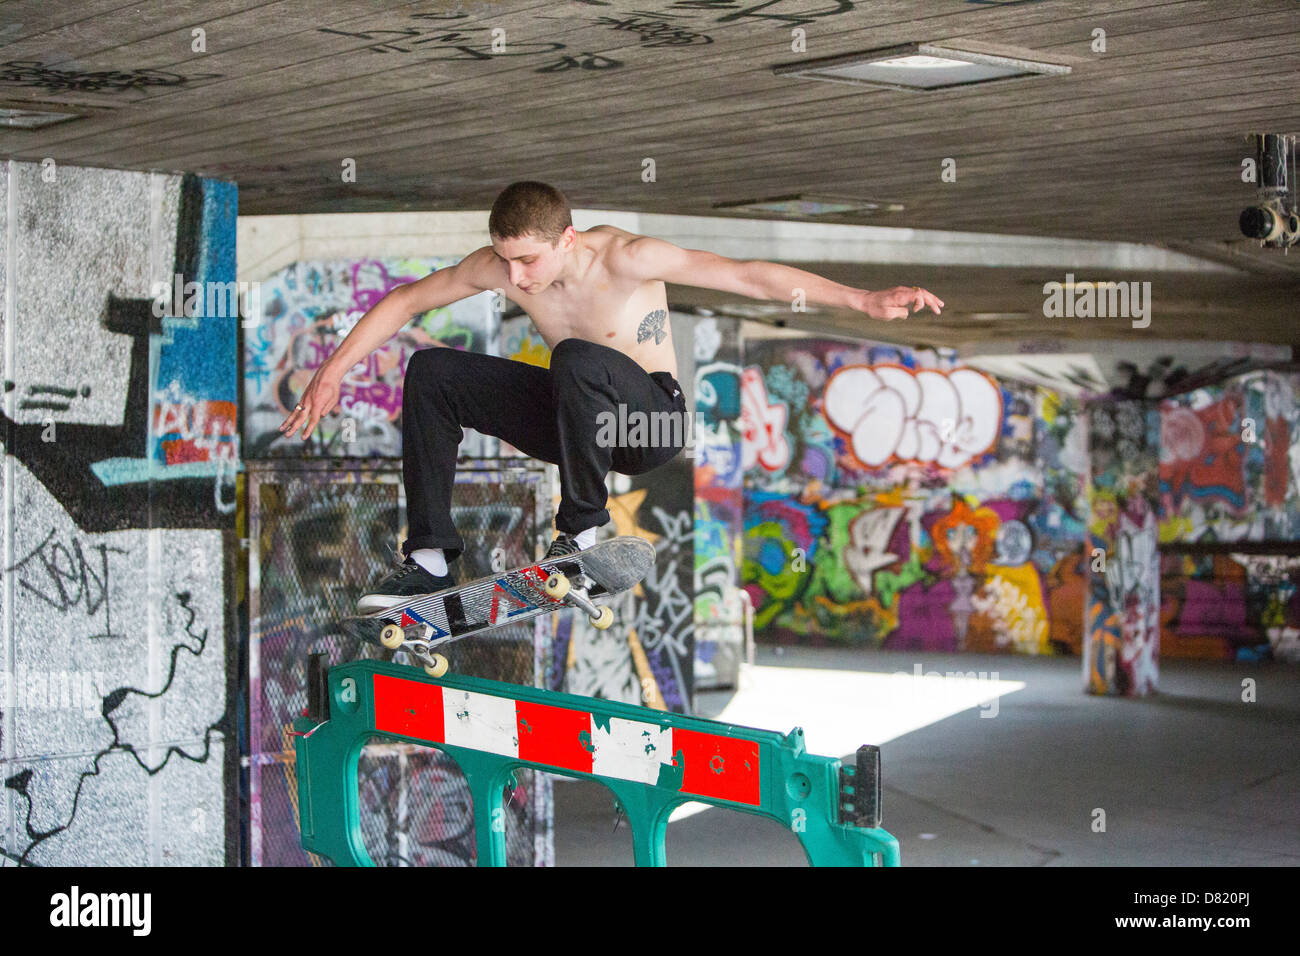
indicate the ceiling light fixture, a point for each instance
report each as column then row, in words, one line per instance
column 918, row 67
column 820, row 205
column 32, row 119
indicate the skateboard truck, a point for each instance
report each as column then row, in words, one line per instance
column 559, row 587
column 415, row 638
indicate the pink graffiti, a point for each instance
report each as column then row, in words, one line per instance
column 372, row 388
column 762, row 424
column 891, row 414
column 374, row 400
column 318, row 351
column 371, row 281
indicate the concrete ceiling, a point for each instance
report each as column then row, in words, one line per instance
column 1139, row 144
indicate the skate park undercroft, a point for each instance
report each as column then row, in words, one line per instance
column 947, row 348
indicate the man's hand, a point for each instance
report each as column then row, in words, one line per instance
column 895, row 303
column 318, row 398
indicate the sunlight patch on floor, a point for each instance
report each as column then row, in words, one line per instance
column 841, row 710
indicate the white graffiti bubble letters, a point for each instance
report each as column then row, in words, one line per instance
column 892, row 415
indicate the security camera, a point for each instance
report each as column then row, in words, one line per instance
column 1269, row 224
column 1273, row 219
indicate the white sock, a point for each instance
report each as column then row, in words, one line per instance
column 585, row 539
column 431, row 559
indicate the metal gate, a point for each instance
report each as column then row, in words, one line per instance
column 319, row 532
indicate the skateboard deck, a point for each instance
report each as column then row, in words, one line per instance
column 420, row 623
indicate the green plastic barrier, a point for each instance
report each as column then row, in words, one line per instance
column 651, row 761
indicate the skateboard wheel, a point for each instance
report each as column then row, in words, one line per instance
column 392, row 637
column 603, row 620
column 438, row 667
column 557, row 585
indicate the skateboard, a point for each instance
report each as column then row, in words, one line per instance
column 419, row 624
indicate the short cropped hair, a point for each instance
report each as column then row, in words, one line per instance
column 530, row 208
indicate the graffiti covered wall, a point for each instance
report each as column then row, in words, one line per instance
column 307, row 310
column 1230, row 460
column 116, row 742
column 894, row 500
column 1229, row 475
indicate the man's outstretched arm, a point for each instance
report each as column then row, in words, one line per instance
column 648, row 258
column 376, row 327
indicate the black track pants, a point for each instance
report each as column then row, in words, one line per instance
column 550, row 414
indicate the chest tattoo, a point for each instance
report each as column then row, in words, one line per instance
column 653, row 325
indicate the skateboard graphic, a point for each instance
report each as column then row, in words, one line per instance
column 419, row 624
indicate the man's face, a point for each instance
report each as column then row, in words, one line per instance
column 533, row 263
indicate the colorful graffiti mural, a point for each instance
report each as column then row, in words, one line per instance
column 907, row 512
column 930, row 571
column 1014, row 519
column 308, row 309
column 1230, row 461
column 1229, row 474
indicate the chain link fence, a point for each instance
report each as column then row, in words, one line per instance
column 321, row 532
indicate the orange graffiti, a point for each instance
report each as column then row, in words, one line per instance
column 983, row 521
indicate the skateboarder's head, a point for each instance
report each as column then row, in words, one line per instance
column 532, row 230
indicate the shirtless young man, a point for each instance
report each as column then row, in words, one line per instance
column 598, row 299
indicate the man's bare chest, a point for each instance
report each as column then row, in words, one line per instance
column 603, row 311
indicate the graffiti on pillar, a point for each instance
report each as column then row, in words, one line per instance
column 647, row 656
column 123, row 451
column 1121, row 629
column 719, row 504
column 136, row 426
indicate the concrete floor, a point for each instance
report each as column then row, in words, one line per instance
column 1190, row 776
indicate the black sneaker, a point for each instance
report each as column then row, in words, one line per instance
column 407, row 580
column 562, row 546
